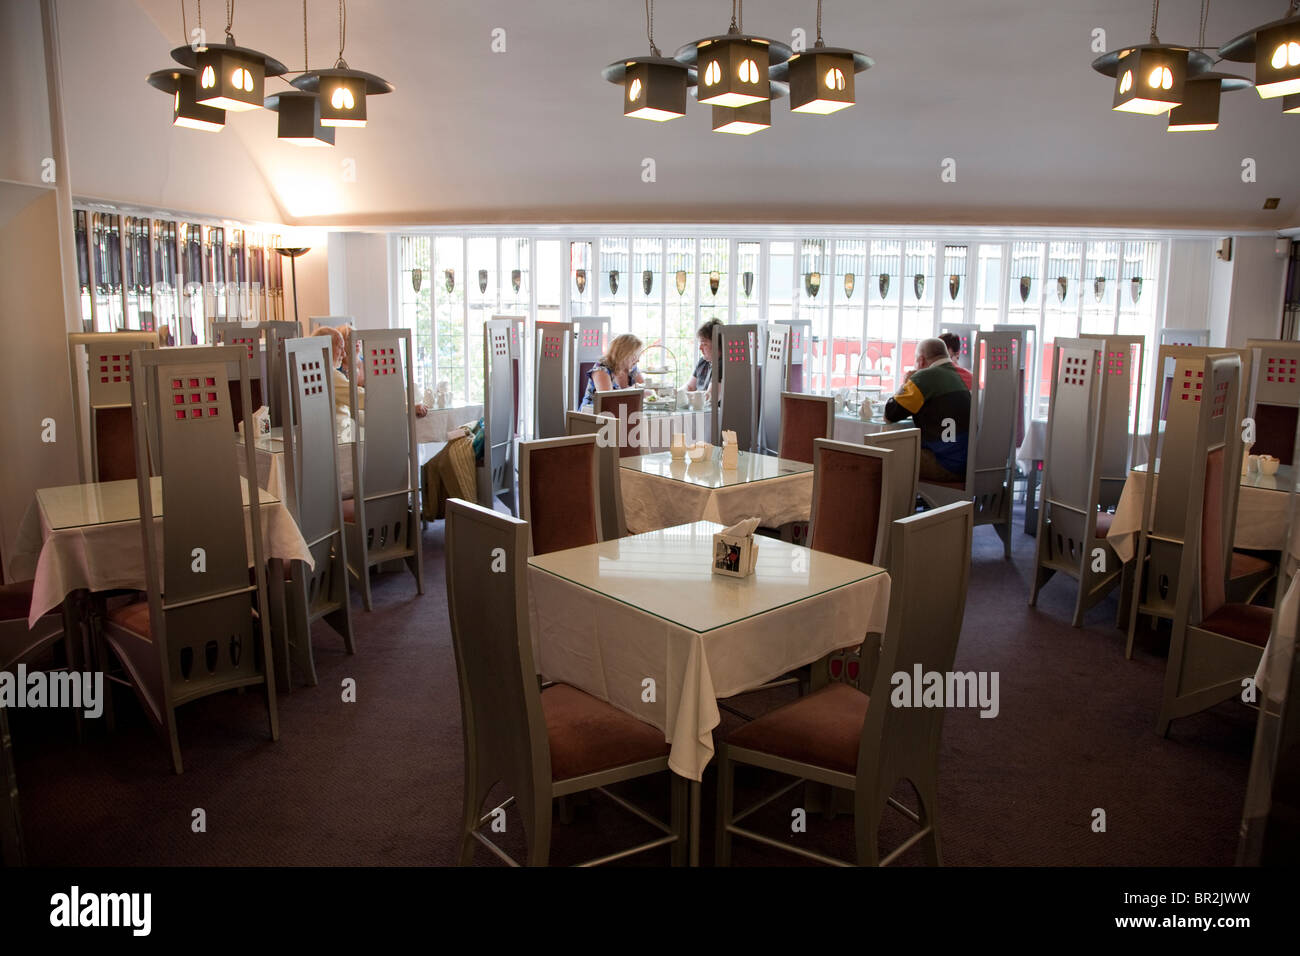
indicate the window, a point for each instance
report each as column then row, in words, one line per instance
column 954, row 288
column 414, row 304
column 811, row 303
column 749, row 281
column 848, row 290
column 884, row 298
column 918, row 300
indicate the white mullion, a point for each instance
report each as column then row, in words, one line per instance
column 464, row 312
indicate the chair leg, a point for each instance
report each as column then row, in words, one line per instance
column 365, row 581
column 1004, row 532
column 169, row 721
column 468, row 821
column 538, row 829
column 678, row 821
column 929, row 814
column 866, row 828
column 726, row 801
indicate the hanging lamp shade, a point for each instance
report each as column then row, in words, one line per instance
column 1274, row 48
column 654, row 87
column 821, row 79
column 342, row 93
column 747, row 119
column 1150, row 78
column 1291, row 104
column 230, row 77
column 1199, row 111
column 733, row 70
column 299, row 119
column 186, row 110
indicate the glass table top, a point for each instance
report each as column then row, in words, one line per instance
column 107, row 502
column 273, row 441
column 668, row 574
column 709, row 472
column 1284, row 480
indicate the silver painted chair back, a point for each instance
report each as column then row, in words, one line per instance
column 609, row 478
column 991, row 446
column 518, row 367
column 254, row 339
column 1200, row 338
column 201, row 635
column 1121, row 358
column 500, row 403
column 776, row 372
column 106, row 370
column 1275, row 399
column 799, row 376
column 590, row 339
column 967, row 334
column 1162, row 535
column 735, row 406
column 1071, row 529
column 551, row 378
column 384, row 524
column 1028, row 391
column 277, row 332
column 904, row 468
column 312, row 495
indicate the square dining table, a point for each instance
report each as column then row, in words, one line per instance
column 643, row 623
column 87, row 538
column 661, row 492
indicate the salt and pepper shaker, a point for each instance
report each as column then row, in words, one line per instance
column 730, row 451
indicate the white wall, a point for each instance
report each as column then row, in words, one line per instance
column 1258, row 280
column 359, row 279
column 24, row 108
column 1187, row 291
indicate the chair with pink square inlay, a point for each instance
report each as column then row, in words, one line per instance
column 106, row 370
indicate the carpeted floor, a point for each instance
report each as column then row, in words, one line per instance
column 378, row 781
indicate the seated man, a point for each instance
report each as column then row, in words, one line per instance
column 953, row 342
column 339, row 378
column 939, row 403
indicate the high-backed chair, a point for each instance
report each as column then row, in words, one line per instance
column 851, row 500
column 1072, row 523
column 537, row 744
column 1163, row 533
column 500, row 404
column 198, row 632
column 277, row 332
column 551, row 378
column 1276, row 400
column 967, row 335
column 1028, row 342
column 517, row 364
column 799, row 376
column 609, row 480
column 842, row 737
column 624, row 404
column 1215, row 645
column 904, row 464
column 590, row 339
column 107, row 373
column 382, row 519
column 559, row 492
column 11, row 827
column 303, row 595
column 776, row 373
column 253, row 338
column 1199, row 338
column 804, row 419
column 735, row 406
column 991, row 447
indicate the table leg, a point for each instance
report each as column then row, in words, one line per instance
column 1031, row 498
column 695, row 823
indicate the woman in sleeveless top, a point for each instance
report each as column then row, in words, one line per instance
column 616, row 370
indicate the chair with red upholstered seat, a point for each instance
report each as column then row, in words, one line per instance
column 302, row 594
column 537, row 744
column 804, row 419
column 866, row 742
column 559, row 492
column 625, row 405
column 384, row 521
column 851, row 500
column 1153, row 585
column 1088, row 404
column 198, row 633
column 107, row 375
column 21, row 644
column 612, row 523
column 1216, row 645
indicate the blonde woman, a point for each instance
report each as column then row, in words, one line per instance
column 617, row 369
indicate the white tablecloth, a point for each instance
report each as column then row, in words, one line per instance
column 607, row 649
column 1034, row 447
column 651, row 502
column 270, row 468
column 1261, row 517
column 107, row 557
column 434, row 426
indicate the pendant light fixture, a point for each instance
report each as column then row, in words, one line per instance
column 1199, row 111
column 734, row 69
column 1150, row 77
column 1274, row 48
column 342, row 90
column 821, row 79
column 299, row 113
column 230, row 77
column 654, row 86
column 1291, row 104
column 186, row 111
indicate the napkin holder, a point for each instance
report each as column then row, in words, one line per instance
column 734, row 555
column 262, row 421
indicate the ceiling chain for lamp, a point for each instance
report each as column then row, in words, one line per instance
column 299, row 120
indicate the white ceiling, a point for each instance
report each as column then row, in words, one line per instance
column 534, row 134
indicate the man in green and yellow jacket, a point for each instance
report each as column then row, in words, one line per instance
column 939, row 403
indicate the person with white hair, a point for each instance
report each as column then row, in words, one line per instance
column 937, row 400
